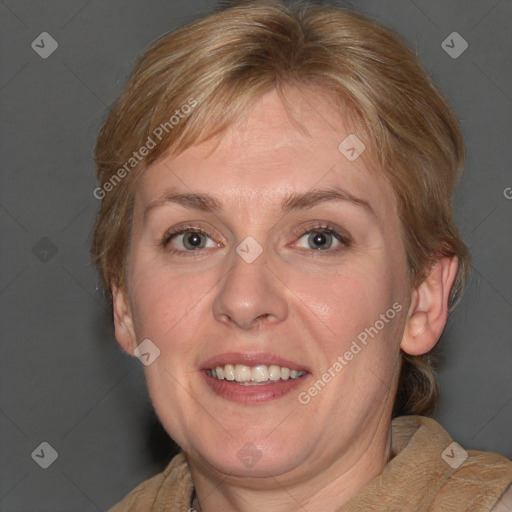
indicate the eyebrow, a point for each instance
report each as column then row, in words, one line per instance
column 292, row 202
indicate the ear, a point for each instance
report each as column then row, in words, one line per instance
column 123, row 320
column 428, row 313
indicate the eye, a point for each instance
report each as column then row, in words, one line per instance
column 323, row 237
column 187, row 239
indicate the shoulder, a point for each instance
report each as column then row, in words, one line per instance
column 446, row 474
column 160, row 487
column 505, row 502
column 142, row 497
column 480, row 482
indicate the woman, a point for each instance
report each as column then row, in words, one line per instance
column 277, row 238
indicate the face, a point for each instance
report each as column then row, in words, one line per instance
column 266, row 254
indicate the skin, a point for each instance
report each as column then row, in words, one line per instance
column 294, row 301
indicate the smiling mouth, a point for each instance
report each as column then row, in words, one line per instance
column 254, row 375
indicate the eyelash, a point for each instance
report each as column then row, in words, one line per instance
column 320, row 228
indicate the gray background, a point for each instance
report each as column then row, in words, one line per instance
column 64, row 380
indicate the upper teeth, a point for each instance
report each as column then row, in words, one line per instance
column 259, row 373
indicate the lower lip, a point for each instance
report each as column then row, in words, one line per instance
column 253, row 394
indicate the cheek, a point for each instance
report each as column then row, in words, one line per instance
column 349, row 298
column 354, row 316
column 167, row 306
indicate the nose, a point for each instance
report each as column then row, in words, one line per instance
column 250, row 295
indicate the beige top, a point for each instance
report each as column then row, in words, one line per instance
column 426, row 473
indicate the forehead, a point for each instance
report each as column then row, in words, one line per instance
column 272, row 151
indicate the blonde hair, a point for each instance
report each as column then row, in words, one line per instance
column 218, row 66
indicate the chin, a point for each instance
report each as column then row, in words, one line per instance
column 240, row 457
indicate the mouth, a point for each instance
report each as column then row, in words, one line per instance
column 252, row 378
column 258, row 375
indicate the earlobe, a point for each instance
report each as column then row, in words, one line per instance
column 428, row 312
column 123, row 320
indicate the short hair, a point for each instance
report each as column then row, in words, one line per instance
column 196, row 81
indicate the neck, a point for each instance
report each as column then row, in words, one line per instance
column 329, row 489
